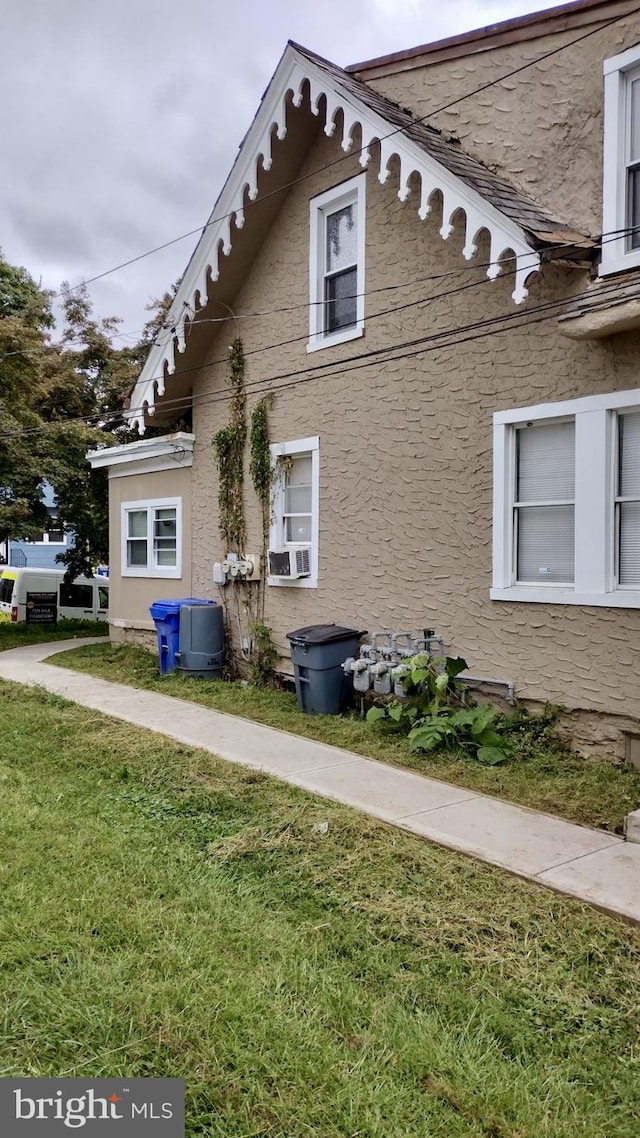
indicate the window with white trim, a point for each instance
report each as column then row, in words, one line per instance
column 336, row 264
column 566, row 516
column 544, row 502
column 627, row 507
column 54, row 534
column 295, row 513
column 151, row 536
column 621, row 176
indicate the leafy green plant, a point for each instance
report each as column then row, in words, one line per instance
column 472, row 730
column 431, row 683
column 229, row 443
column 264, row 656
column 435, row 711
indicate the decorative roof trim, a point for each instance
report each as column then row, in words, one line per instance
column 293, row 72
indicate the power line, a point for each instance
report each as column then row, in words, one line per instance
column 345, row 157
column 102, row 418
column 420, row 345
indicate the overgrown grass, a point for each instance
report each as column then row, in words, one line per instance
column 165, row 913
column 541, row 775
column 20, row 634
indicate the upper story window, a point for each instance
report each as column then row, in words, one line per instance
column 621, row 177
column 336, row 264
column 566, row 517
column 151, row 538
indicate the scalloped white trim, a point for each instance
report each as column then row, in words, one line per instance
column 291, row 75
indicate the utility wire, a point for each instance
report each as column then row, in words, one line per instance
column 397, row 130
column 167, row 404
column 408, row 349
column 284, row 309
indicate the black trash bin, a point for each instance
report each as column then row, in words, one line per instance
column 318, row 653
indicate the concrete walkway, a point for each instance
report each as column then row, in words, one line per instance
column 591, row 865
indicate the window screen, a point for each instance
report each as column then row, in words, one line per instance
column 297, row 502
column 136, row 538
column 628, row 501
column 165, row 536
column 544, row 503
column 633, row 164
column 341, row 268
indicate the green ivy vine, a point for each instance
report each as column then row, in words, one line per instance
column 229, row 443
column 260, row 467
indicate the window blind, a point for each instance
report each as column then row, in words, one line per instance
column 544, row 509
column 629, row 511
column 546, row 463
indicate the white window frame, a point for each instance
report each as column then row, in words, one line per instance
column 46, row 539
column 320, row 207
column 151, row 569
column 297, row 448
column 596, row 418
column 618, row 73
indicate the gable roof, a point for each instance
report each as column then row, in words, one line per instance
column 513, row 222
column 576, row 14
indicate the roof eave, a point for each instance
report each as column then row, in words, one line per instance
column 293, row 73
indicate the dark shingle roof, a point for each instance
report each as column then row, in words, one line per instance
column 605, row 294
column 542, row 229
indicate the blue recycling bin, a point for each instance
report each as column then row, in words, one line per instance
column 166, row 617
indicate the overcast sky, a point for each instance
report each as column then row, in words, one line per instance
column 121, row 118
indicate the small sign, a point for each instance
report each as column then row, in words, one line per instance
column 42, row 608
column 125, row 1108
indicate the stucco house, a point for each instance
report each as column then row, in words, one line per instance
column 432, row 262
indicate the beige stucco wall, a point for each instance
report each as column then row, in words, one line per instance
column 406, row 443
column 540, row 129
column 130, row 597
column 405, row 448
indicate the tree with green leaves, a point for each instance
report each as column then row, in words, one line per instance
column 58, row 399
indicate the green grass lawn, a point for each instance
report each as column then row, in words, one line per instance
column 165, row 913
column 20, row 634
column 541, row 775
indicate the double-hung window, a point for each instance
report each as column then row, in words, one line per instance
column 544, row 503
column 54, row 534
column 151, row 538
column 621, row 181
column 295, row 513
column 566, row 510
column 627, row 509
column 336, row 264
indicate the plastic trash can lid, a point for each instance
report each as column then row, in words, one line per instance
column 173, row 605
column 324, row 633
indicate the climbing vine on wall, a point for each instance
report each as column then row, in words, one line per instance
column 229, row 443
column 260, row 467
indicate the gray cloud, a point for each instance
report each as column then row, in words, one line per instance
column 121, row 119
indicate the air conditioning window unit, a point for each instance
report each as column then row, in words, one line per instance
column 291, row 563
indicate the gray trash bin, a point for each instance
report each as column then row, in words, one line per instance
column 318, row 653
column 201, row 651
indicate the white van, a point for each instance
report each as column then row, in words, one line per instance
column 41, row 596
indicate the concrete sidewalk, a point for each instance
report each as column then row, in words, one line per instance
column 591, row 865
